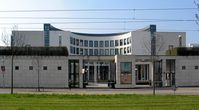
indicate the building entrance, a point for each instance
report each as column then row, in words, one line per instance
column 98, row 72
column 74, row 73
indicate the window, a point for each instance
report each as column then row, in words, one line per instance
column 128, row 49
column 106, row 51
column 77, row 51
column 116, row 43
column 45, row 68
column 95, row 43
column 196, row 67
column 96, row 52
column 128, row 40
column 101, row 43
column 16, row 67
column 183, row 67
column 121, row 51
column 30, row 67
column 111, row 43
column 81, row 51
column 85, row 43
column 3, row 68
column 106, row 43
column 170, row 47
column 85, row 51
column 116, row 51
column 72, row 40
column 101, row 51
column 90, row 43
column 112, row 52
column 121, row 43
column 77, row 42
column 60, row 40
column 71, row 49
column 81, row 43
column 59, row 68
column 124, row 50
column 124, row 41
column 90, row 51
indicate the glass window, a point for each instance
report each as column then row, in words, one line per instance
column 121, row 43
column 71, row 49
column 81, row 43
column 183, row 67
column 81, row 51
column 128, row 40
column 116, row 51
column 85, row 51
column 116, row 43
column 77, row 51
column 30, row 67
column 124, row 50
column 112, row 52
column 96, row 52
column 196, row 67
column 101, row 51
column 126, row 72
column 59, row 68
column 90, row 51
column 106, row 51
column 3, row 69
column 95, row 43
column 16, row 67
column 101, row 43
column 128, row 49
column 77, row 42
column 45, row 68
column 71, row 40
column 85, row 43
column 124, row 41
column 60, row 40
column 90, row 43
column 111, row 43
column 106, row 43
column 121, row 51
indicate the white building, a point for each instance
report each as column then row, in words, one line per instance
column 122, row 58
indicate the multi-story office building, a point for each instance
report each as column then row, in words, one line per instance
column 123, row 58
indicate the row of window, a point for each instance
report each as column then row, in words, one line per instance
column 107, row 43
column 116, row 51
column 31, row 68
column 184, row 67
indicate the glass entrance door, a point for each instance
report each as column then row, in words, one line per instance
column 73, row 73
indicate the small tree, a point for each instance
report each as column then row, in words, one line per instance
column 37, row 65
column 15, row 40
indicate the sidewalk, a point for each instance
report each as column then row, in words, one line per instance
column 161, row 91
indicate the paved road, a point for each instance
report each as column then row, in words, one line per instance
column 162, row 91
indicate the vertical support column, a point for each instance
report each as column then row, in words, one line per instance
column 95, row 72
column 164, row 81
column 133, row 73
column 80, row 73
column 67, row 72
column 109, row 71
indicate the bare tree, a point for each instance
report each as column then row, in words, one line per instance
column 15, row 40
column 37, row 65
column 159, row 44
column 196, row 2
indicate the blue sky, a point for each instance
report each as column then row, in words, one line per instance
column 192, row 36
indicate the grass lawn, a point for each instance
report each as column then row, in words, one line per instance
column 97, row 102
